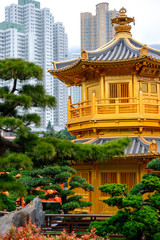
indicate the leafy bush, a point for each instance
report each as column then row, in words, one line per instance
column 138, row 217
column 7, row 202
column 157, row 236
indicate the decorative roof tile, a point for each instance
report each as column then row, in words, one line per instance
column 137, row 146
column 121, row 49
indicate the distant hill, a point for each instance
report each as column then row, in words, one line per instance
column 156, row 46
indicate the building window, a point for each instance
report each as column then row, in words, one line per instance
column 128, row 178
column 119, row 90
column 107, row 177
column 153, row 88
column 145, row 87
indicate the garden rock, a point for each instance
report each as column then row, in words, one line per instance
column 33, row 211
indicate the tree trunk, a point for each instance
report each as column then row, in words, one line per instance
column 5, row 144
column 143, row 237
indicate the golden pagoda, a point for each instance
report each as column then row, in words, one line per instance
column 120, row 97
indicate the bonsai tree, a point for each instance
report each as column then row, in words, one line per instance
column 139, row 214
column 49, row 159
column 61, row 181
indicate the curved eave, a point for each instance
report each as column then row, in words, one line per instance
column 73, row 74
column 63, row 64
column 118, row 49
column 76, row 66
column 139, row 45
column 80, row 65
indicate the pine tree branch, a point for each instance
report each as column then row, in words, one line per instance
column 5, row 113
column 14, row 86
column 145, row 191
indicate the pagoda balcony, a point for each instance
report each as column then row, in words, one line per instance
column 126, row 108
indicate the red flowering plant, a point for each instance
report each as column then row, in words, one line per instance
column 90, row 236
column 31, row 232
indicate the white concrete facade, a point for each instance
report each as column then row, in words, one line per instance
column 28, row 33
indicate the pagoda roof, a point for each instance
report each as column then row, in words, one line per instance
column 139, row 146
column 119, row 49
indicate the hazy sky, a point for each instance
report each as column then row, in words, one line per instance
column 146, row 13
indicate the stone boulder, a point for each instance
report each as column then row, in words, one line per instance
column 33, row 211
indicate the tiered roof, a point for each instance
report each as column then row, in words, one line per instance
column 122, row 48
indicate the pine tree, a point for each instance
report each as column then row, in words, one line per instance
column 38, row 181
column 15, row 96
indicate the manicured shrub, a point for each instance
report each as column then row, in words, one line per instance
column 157, row 236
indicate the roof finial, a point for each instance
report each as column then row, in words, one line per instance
column 122, row 22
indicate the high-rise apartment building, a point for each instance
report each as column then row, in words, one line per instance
column 97, row 29
column 60, row 46
column 30, row 33
column 75, row 91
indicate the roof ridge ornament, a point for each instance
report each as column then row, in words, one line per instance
column 144, row 51
column 84, row 54
column 122, row 27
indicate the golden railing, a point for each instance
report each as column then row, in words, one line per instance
column 115, row 108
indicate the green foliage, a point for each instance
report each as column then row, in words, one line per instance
column 17, row 161
column 67, row 150
column 132, row 201
column 51, row 208
column 43, row 154
column 38, row 96
column 15, row 154
column 157, row 236
column 28, row 140
column 29, row 198
column 11, row 184
column 155, row 200
column 51, row 177
column 155, row 164
column 136, row 188
column 114, row 189
column 11, row 124
column 7, row 202
column 139, row 217
column 77, row 181
column 19, row 69
column 63, row 134
column 21, row 97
